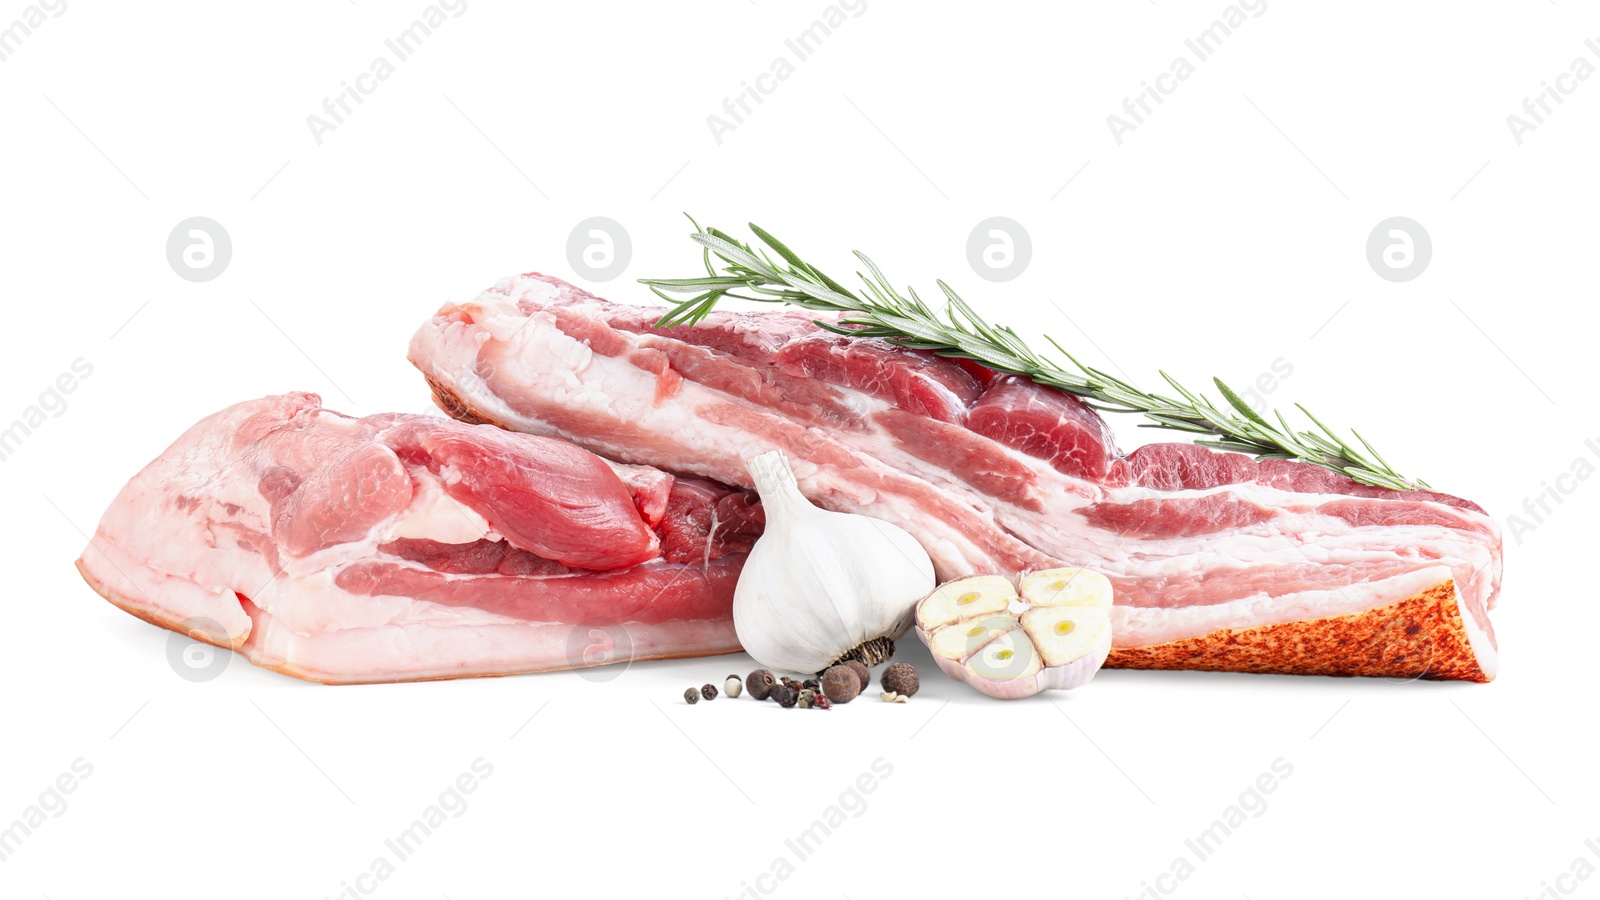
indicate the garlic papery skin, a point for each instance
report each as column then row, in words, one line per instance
column 820, row 587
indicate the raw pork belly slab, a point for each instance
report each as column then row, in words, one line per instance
column 1218, row 561
column 400, row 547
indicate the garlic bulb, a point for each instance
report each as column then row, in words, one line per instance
column 821, row 587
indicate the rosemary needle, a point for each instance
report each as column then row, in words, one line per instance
column 956, row 330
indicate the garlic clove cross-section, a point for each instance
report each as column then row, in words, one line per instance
column 1065, row 587
column 958, row 640
column 964, row 599
column 1051, row 631
column 1009, row 659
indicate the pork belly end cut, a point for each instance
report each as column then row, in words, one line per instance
column 399, row 548
column 1424, row 635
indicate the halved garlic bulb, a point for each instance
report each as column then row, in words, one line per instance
column 1052, row 630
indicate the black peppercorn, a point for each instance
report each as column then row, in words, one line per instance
column 708, row 691
column 786, row 696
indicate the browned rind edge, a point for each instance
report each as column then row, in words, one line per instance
column 1421, row 636
column 158, row 620
column 454, row 406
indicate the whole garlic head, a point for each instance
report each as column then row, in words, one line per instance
column 821, row 587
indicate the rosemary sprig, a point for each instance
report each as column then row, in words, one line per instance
column 958, row 331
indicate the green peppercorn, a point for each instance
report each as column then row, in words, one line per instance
column 691, row 696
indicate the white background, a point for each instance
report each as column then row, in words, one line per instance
column 1225, row 233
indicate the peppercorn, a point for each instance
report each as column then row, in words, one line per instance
column 841, row 684
column 824, row 703
column 861, row 670
column 900, row 678
column 733, row 686
column 708, row 691
column 760, row 682
column 691, row 696
column 808, row 698
column 811, row 684
column 786, row 696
